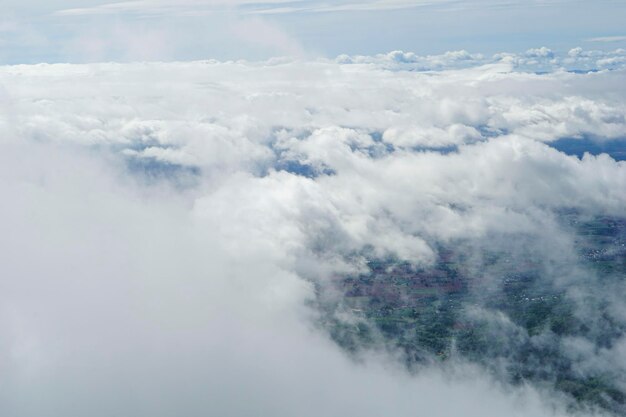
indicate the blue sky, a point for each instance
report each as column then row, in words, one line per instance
column 100, row 30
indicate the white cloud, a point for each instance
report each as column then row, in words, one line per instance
column 121, row 295
column 160, row 7
column 607, row 39
column 196, row 7
column 139, row 305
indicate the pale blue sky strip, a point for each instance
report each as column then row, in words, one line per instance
column 91, row 30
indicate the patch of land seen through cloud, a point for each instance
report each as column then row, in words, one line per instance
column 186, row 217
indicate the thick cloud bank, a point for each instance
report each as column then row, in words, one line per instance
column 167, row 227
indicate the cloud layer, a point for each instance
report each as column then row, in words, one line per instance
column 166, row 224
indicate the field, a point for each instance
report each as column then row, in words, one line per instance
column 510, row 310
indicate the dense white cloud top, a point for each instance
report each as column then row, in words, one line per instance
column 164, row 224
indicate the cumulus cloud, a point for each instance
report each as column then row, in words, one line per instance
column 539, row 60
column 167, row 225
column 115, row 301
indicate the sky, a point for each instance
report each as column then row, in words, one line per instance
column 76, row 31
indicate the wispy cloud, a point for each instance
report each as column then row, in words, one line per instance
column 607, row 39
column 160, row 7
column 187, row 7
column 367, row 5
